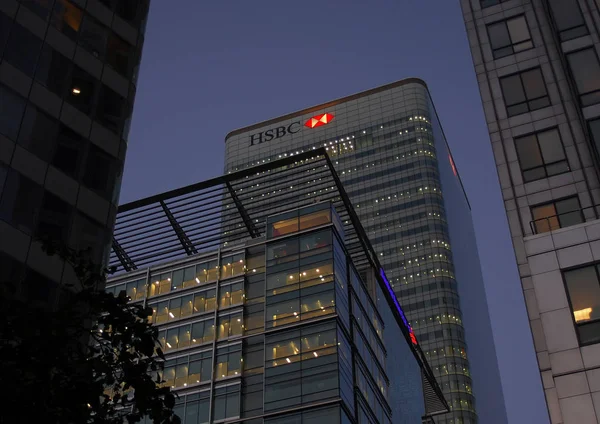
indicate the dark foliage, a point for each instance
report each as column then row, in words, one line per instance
column 90, row 358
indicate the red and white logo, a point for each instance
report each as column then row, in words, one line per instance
column 319, row 120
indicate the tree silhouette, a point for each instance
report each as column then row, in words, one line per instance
column 92, row 358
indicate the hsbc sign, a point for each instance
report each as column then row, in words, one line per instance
column 293, row 128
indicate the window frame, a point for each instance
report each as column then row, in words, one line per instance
column 512, row 44
column 580, row 96
column 556, row 215
column 481, row 3
column 527, row 100
column 560, row 32
column 576, row 326
column 544, row 165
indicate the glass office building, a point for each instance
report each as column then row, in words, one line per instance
column 391, row 155
column 68, row 73
column 273, row 323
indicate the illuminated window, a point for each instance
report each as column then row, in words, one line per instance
column 230, row 325
column 229, row 361
column 231, row 294
column 232, row 265
column 583, row 288
column 160, row 284
column 558, row 214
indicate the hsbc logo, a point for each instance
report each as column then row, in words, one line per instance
column 293, row 128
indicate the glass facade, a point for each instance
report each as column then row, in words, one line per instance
column 67, row 87
column 283, row 330
column 391, row 155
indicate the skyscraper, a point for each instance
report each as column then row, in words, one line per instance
column 390, row 153
column 68, row 73
column 272, row 323
column 539, row 78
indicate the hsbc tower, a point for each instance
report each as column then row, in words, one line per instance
column 390, row 153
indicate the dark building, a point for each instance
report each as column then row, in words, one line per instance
column 390, row 152
column 68, row 72
column 272, row 322
column 539, row 77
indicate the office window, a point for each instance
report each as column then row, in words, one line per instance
column 110, row 109
column 524, row 92
column 22, row 49
column 226, row 402
column 541, row 155
column 583, row 288
column 12, row 107
column 594, row 127
column 488, row 3
column 100, row 171
column 230, row 325
column 229, row 361
column 81, row 90
column 69, row 151
column 38, row 133
column 509, row 36
column 568, row 19
column 39, row 7
column 20, row 201
column 5, row 25
column 231, row 294
column 232, row 265
column 54, row 219
column 585, row 68
column 52, row 70
column 87, row 234
column 118, row 55
column 66, row 17
column 93, row 36
column 558, row 214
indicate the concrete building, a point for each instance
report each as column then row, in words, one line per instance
column 390, row 153
column 539, row 76
column 68, row 72
column 272, row 323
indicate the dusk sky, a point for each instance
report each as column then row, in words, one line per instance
column 211, row 67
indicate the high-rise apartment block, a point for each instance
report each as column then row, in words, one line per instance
column 68, row 72
column 390, row 153
column 272, row 322
column 539, row 76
